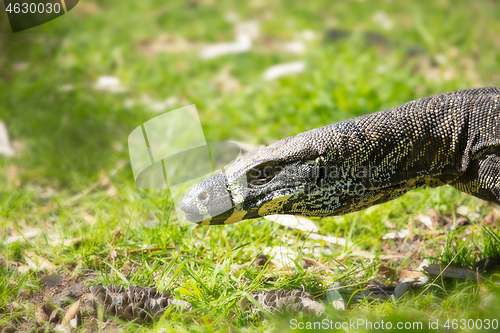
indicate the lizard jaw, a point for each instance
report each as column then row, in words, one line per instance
column 235, row 216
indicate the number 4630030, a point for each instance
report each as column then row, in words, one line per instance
column 33, row 8
column 471, row 324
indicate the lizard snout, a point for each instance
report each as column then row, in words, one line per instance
column 207, row 199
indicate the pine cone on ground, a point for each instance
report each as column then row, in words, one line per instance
column 143, row 304
column 285, row 301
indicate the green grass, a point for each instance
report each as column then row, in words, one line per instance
column 71, row 139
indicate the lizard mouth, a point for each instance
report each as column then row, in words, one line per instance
column 193, row 217
column 221, row 214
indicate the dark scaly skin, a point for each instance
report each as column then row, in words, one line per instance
column 451, row 138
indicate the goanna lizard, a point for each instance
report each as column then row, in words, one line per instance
column 451, row 138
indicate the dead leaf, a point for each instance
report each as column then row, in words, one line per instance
column 395, row 235
column 425, row 220
column 242, row 44
column 55, row 316
column 424, row 263
column 294, row 222
column 453, row 223
column 108, row 83
column 56, row 241
column 401, row 289
column 72, row 311
column 388, row 272
column 436, row 217
column 309, row 262
column 332, row 240
column 406, row 274
column 281, row 70
column 389, row 224
column 382, row 19
column 22, row 238
column 75, row 322
column 463, row 210
column 284, row 257
column 5, row 147
column 450, row 272
column 23, row 268
column 308, row 35
column 36, row 262
column 295, row 47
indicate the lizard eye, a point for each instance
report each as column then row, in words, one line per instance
column 260, row 175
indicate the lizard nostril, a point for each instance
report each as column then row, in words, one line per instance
column 203, row 196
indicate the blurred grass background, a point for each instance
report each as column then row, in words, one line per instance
column 360, row 57
column 424, row 47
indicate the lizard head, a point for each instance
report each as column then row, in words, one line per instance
column 279, row 179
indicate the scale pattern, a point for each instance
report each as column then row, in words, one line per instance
column 142, row 304
column 147, row 304
column 284, row 301
column 447, row 139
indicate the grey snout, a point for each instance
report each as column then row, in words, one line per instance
column 207, row 199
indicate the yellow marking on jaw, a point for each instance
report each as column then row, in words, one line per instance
column 274, row 206
column 206, row 222
column 236, row 216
